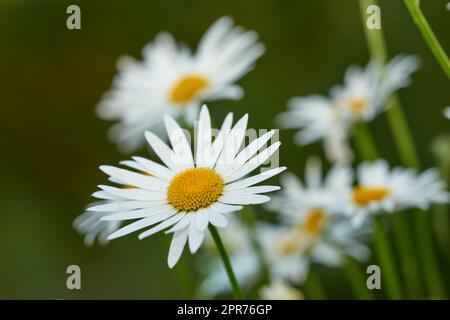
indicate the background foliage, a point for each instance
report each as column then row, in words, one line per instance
column 52, row 142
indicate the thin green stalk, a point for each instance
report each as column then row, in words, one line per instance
column 401, row 132
column 237, row 291
column 249, row 216
column 386, row 258
column 357, row 279
column 428, row 255
column 364, row 142
column 367, row 151
column 408, row 154
column 428, row 34
column 397, row 122
column 441, row 211
column 313, row 287
column 410, row 269
column 402, row 235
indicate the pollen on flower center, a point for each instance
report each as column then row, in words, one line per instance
column 363, row 195
column 357, row 105
column 290, row 242
column 194, row 188
column 187, row 88
column 315, row 221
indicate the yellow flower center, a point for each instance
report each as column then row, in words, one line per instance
column 194, row 188
column 290, row 242
column 315, row 221
column 357, row 105
column 303, row 236
column 363, row 195
column 188, row 88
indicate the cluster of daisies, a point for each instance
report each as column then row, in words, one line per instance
column 200, row 183
column 322, row 220
column 363, row 95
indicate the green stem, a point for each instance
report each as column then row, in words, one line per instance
column 410, row 268
column 401, row 132
column 313, row 287
column 237, row 292
column 419, row 19
column 357, row 279
column 428, row 255
column 408, row 154
column 249, row 216
column 386, row 258
column 396, row 118
column 364, row 142
column 367, row 151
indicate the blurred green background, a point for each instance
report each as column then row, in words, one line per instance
column 52, row 142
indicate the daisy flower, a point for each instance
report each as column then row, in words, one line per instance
column 382, row 189
column 243, row 258
column 92, row 227
column 281, row 290
column 172, row 80
column 365, row 92
column 318, row 120
column 189, row 190
column 313, row 229
column 362, row 96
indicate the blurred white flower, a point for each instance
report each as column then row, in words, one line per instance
column 380, row 189
column 362, row 96
column 365, row 91
column 172, row 80
column 188, row 191
column 92, row 227
column 280, row 290
column 244, row 260
column 313, row 229
column 447, row 112
column 318, row 120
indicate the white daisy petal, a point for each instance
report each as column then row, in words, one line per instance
column 253, row 163
column 233, row 143
column 203, row 139
column 133, row 165
column 217, row 219
column 202, row 219
column 155, row 169
column 135, row 179
column 253, row 147
column 163, row 151
column 104, row 195
column 180, row 144
column 195, row 236
column 140, row 224
column 225, row 208
column 261, row 189
column 165, row 224
column 243, row 198
column 134, row 193
column 219, row 142
column 138, row 214
column 126, row 205
column 182, row 224
column 176, row 246
column 254, row 179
